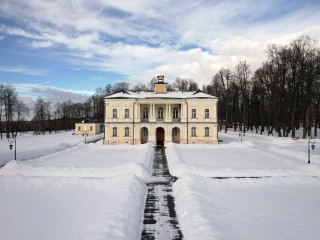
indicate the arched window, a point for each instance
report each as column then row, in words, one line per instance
column 145, row 113
column 174, row 132
column 206, row 132
column 160, row 112
column 175, row 112
column 193, row 132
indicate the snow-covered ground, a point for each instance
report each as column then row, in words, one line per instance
column 278, row 208
column 87, row 160
column 71, row 208
column 74, row 190
column 66, row 189
column 282, row 206
column 31, row 146
column 255, row 156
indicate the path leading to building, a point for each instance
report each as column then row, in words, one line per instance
column 160, row 220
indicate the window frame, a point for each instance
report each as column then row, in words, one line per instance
column 207, row 132
column 127, row 113
column 160, row 112
column 175, row 113
column 114, row 132
column 114, row 113
column 127, row 132
column 145, row 112
column 193, row 113
column 207, row 113
column 193, row 132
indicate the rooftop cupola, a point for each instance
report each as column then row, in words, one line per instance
column 160, row 87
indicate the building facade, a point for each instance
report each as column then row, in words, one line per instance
column 88, row 128
column 160, row 117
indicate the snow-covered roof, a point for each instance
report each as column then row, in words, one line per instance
column 153, row 95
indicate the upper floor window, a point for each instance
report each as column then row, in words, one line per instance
column 160, row 112
column 114, row 132
column 206, row 131
column 114, row 113
column 193, row 113
column 175, row 112
column 206, row 113
column 126, row 131
column 145, row 113
column 193, row 132
column 126, row 113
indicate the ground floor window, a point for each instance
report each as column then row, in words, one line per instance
column 90, row 128
column 126, row 131
column 174, row 132
column 193, row 132
column 206, row 131
column 114, row 132
column 79, row 128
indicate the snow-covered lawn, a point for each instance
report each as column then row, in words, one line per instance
column 29, row 145
column 281, row 208
column 74, row 190
column 88, row 160
column 71, row 208
column 256, row 156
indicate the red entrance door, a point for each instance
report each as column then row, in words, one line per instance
column 160, row 136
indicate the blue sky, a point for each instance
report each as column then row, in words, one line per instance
column 65, row 49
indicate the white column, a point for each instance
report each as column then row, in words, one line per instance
column 169, row 111
column 153, row 110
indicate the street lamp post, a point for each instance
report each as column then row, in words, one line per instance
column 85, row 134
column 311, row 142
column 104, row 131
column 241, row 135
column 11, row 141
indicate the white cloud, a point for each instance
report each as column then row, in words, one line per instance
column 144, row 38
column 23, row 70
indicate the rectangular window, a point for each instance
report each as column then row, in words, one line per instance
column 175, row 112
column 206, row 113
column 114, row 132
column 126, row 131
column 206, row 131
column 90, row 128
column 193, row 113
column 126, row 113
column 193, row 132
column 114, row 113
column 79, row 128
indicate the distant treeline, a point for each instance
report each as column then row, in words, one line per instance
column 282, row 95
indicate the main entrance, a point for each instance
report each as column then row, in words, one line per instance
column 160, row 136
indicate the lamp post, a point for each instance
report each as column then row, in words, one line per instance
column 11, row 141
column 242, row 134
column 311, row 141
column 104, row 132
column 85, row 134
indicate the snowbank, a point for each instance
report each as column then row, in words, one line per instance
column 87, row 160
column 250, row 158
column 265, row 208
column 71, row 208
